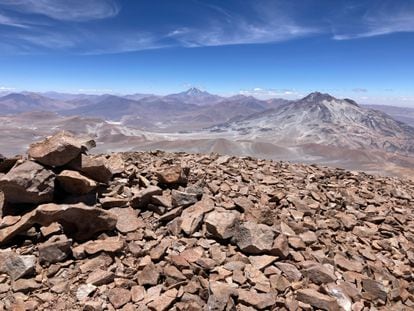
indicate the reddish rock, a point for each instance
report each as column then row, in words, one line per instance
column 75, row 220
column 348, row 265
column 108, row 245
column 142, row 198
column 119, row 297
column 127, row 219
column 318, row 274
column 256, row 300
column 317, row 300
column 100, row 277
column 75, row 183
column 176, row 175
column 149, row 275
column 58, row 149
column 95, row 167
column 221, row 224
column 164, row 302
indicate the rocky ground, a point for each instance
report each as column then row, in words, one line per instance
column 175, row 231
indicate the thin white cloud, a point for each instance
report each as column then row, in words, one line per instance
column 383, row 19
column 359, row 90
column 6, row 88
column 12, row 22
column 401, row 101
column 66, row 10
column 95, row 91
column 266, row 93
column 238, row 30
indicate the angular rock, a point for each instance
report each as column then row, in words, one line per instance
column 75, row 219
column 346, row 264
column 290, row 270
column 164, row 302
column 337, row 292
column 221, row 224
column 137, row 293
column 260, row 262
column 108, row 245
column 17, row 266
column 95, row 167
column 244, row 203
column 84, row 291
column 116, row 164
column 280, row 246
column 25, row 285
column 58, row 149
column 256, row 300
column 127, row 219
column 192, row 217
column 176, row 175
column 319, row 274
column 317, row 300
column 110, row 202
column 100, row 277
column 28, row 182
column 119, row 296
column 149, row 275
column 158, row 251
column 7, row 163
column 375, row 289
column 180, row 198
column 53, row 228
column 75, row 183
column 253, row 238
column 56, row 249
column 143, row 197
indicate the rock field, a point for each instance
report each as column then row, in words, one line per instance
column 175, row 231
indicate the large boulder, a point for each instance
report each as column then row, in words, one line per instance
column 58, row 149
column 28, row 182
column 79, row 221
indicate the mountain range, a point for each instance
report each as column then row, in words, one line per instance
column 317, row 128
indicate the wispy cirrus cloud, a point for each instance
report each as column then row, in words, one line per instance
column 90, row 27
column 66, row 10
column 265, row 23
column 12, row 22
column 383, row 18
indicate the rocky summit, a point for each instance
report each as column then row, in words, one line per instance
column 175, row 231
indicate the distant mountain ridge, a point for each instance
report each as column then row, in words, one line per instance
column 318, row 128
column 323, row 119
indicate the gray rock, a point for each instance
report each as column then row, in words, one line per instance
column 253, row 238
column 56, row 249
column 17, row 266
column 28, row 182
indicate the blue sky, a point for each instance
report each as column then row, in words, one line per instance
column 267, row 48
